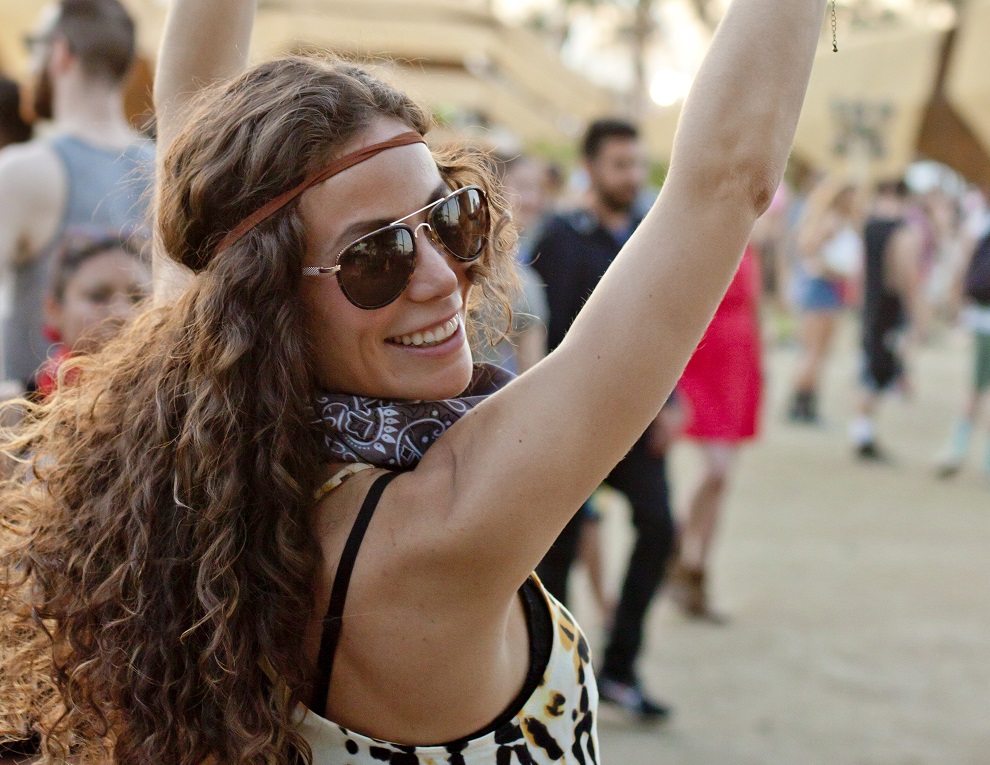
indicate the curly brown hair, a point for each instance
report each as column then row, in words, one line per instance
column 156, row 558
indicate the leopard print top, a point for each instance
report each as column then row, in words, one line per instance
column 556, row 724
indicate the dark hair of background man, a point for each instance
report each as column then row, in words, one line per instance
column 13, row 128
column 600, row 131
column 100, row 33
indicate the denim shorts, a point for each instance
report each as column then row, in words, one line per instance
column 815, row 293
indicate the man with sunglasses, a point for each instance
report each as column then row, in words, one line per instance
column 90, row 168
column 572, row 254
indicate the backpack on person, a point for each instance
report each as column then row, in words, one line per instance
column 977, row 282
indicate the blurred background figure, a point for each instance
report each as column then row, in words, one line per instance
column 98, row 279
column 524, row 182
column 91, row 168
column 891, row 298
column 531, row 187
column 919, row 214
column 770, row 241
column 13, row 128
column 554, row 185
column 526, row 342
column 722, row 389
column 940, row 297
column 830, row 253
column 573, row 252
column 974, row 290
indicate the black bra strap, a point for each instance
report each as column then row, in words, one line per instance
column 333, row 622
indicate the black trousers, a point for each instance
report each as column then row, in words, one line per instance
column 642, row 477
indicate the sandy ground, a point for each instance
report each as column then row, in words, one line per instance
column 859, row 596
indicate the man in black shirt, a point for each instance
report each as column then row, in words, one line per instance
column 572, row 254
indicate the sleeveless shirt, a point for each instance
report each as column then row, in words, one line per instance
column 104, row 187
column 555, row 723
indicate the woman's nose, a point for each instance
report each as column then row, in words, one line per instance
column 437, row 274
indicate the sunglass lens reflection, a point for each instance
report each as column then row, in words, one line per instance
column 375, row 270
column 461, row 224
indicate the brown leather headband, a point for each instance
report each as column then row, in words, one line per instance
column 337, row 166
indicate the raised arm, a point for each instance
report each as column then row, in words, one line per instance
column 519, row 465
column 204, row 43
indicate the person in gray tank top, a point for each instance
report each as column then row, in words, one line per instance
column 90, row 168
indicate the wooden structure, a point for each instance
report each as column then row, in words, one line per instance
column 887, row 98
column 961, row 119
column 502, row 85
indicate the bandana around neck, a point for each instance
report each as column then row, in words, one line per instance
column 396, row 434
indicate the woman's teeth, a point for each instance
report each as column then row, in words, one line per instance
column 432, row 336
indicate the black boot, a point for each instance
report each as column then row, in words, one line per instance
column 798, row 411
column 812, row 408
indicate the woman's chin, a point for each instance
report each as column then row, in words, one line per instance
column 449, row 383
column 414, row 382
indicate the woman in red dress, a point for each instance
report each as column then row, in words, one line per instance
column 722, row 389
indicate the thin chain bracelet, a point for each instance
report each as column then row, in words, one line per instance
column 835, row 38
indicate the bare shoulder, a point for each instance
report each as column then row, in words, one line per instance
column 413, row 536
column 32, row 166
column 338, row 501
column 33, row 190
column 31, row 179
column 399, row 511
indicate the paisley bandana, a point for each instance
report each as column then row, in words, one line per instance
column 396, row 434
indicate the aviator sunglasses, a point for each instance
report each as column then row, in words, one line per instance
column 374, row 270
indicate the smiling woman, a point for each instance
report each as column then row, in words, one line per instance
column 285, row 516
column 407, row 258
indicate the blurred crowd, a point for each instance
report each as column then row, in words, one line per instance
column 906, row 262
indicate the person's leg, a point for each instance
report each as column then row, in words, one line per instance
column 862, row 430
column 882, row 370
column 688, row 585
column 981, row 402
column 804, row 377
column 955, row 450
column 817, row 331
column 954, row 453
column 698, row 530
column 590, row 553
column 555, row 568
column 642, row 478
